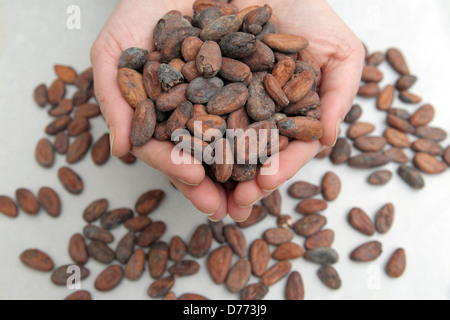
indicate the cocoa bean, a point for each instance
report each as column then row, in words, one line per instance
column 309, row 225
column 411, row 176
column 149, row 201
column 329, row 277
column 135, row 265
column 331, row 186
column 94, row 211
column 114, row 218
column 238, row 276
column 367, row 252
column 143, row 123
column 360, row 221
column 397, row 264
column 133, row 58
column 158, row 256
column 259, row 257
column 322, row 255
column 78, row 249
column 8, row 207
column 37, row 260
column 219, row 263
column 45, row 153
column 131, row 85
column 49, row 201
column 236, row 240
column 109, row 279
column 324, row 238
column 295, row 290
column 200, row 242
column 276, row 273
column 428, row 164
column 100, row 151
column 380, row 177
column 27, row 201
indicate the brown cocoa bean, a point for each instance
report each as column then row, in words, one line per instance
column 158, row 256
column 311, row 206
column 306, row 57
column 299, row 86
column 37, row 260
column 87, row 110
column 200, row 242
column 238, row 276
column 58, row 125
column 275, row 91
column 354, row 114
column 309, row 225
column 191, row 297
column 385, row 218
column 295, row 290
column 177, row 249
column 79, row 296
column 369, row 90
column 201, row 90
column 302, row 189
column 329, row 277
column 379, row 178
column 397, row 264
column 100, row 252
column 422, row 116
column 396, row 155
column 78, row 249
column 368, row 160
column 324, row 238
column 386, row 98
column 276, row 273
column 94, row 211
column 224, row 7
column 341, row 151
column 209, row 59
column 27, row 201
column 283, row 71
column 371, row 74
column 322, row 255
column 446, row 156
column 40, row 95
column 251, row 143
column 100, row 152
column 131, row 85
column 220, row 27
column 277, row 236
column 109, row 279
column 61, row 275
column 288, row 251
column 85, row 79
column 8, row 207
column 257, row 214
column 236, row 239
column 301, row 128
column 64, row 107
column 79, row 148
column 230, row 98
column 409, row 97
column 49, row 201
column 429, row 164
column 135, row 265
column 370, row 144
column 238, row 45
column 149, row 201
column 397, row 61
column 161, row 287
column 143, row 123
column 169, row 77
column 171, row 47
column 273, row 203
column 235, row 71
column 133, row 58
column 151, row 80
column 45, row 153
column 259, row 257
column 262, row 58
column 411, row 176
column 125, row 248
column 310, row 102
column 331, row 186
column 256, row 19
column 432, row 133
column 255, row 291
column 405, row 82
column 376, row 58
column 238, row 119
column 367, row 252
column 190, row 48
column 260, row 105
column 138, row 223
column 223, row 166
column 360, row 221
column 219, row 263
column 286, row 43
column 114, row 218
column 359, row 129
column 399, row 124
column 61, row 143
column 429, row 146
column 397, row 138
column 96, row 233
column 171, row 21
column 56, row 92
column 217, row 231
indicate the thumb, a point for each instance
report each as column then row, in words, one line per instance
column 340, row 83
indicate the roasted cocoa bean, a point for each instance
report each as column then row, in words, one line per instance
column 45, row 153
column 259, row 257
column 295, row 289
column 367, row 252
column 94, row 211
column 37, row 260
column 360, row 221
column 219, row 263
column 200, row 242
column 49, row 201
column 309, row 225
column 322, row 255
column 101, row 150
column 78, row 249
column 238, row 276
column 27, row 201
column 109, row 279
column 79, row 148
column 324, row 238
column 114, row 218
column 276, row 273
column 8, row 207
column 397, row 264
column 379, row 178
column 143, row 124
column 158, row 256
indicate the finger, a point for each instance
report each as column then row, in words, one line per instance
column 161, row 154
column 223, row 209
column 247, row 193
column 340, row 82
column 283, row 166
column 234, row 211
column 205, row 197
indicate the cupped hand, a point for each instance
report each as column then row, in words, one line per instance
column 131, row 25
column 340, row 55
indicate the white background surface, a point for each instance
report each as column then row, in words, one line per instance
column 34, row 36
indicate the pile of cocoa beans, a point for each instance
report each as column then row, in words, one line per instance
column 218, row 78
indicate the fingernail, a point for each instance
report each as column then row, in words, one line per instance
column 186, row 183
column 212, row 220
column 245, row 207
column 111, row 139
column 240, row 221
column 272, row 190
column 338, row 130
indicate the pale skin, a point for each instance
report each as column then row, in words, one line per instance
column 336, row 48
